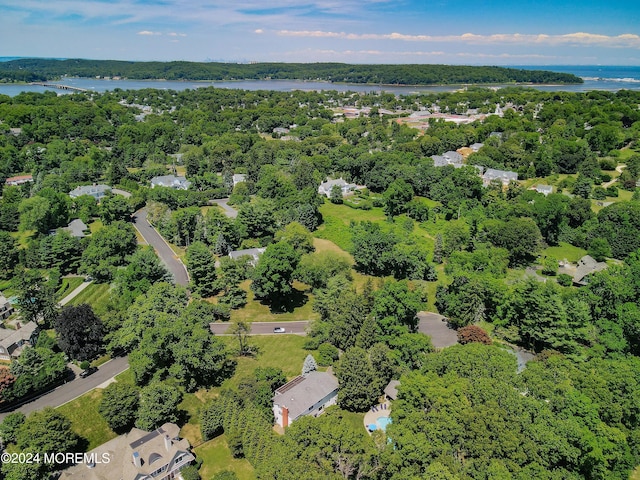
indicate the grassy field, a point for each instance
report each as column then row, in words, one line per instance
column 299, row 308
column 564, row 250
column 85, row 419
column 635, row 475
column 217, row 457
column 96, row 295
column 337, row 219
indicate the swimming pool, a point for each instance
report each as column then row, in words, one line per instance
column 382, row 423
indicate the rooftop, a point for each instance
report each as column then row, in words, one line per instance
column 301, row 393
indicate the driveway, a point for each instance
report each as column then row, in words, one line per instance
column 265, row 328
column 164, row 251
column 437, row 328
column 75, row 388
column 223, row 203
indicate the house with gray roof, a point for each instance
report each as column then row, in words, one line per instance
column 586, row 266
column 76, row 228
column 391, row 390
column 137, row 455
column 254, row 253
column 326, row 187
column 96, row 191
column 12, row 342
column 504, row 176
column 6, row 308
column 476, row 146
column 304, row 395
column 170, row 181
column 453, row 157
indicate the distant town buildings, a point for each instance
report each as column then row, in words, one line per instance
column 170, row 181
column 96, row 191
column 304, row 395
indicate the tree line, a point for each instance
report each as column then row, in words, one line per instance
column 332, row 72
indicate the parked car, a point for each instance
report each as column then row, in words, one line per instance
column 88, row 371
column 279, row 330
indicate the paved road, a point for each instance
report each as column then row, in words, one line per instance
column 265, row 328
column 78, row 386
column 153, row 238
column 222, row 202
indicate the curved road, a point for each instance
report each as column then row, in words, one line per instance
column 153, row 238
column 75, row 388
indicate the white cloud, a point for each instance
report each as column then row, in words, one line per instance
column 147, row 32
column 579, row 38
column 174, row 34
column 259, row 31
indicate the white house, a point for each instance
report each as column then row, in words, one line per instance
column 308, row 395
column 170, row 181
column 543, row 189
column 19, row 180
column 326, row 187
column 504, row 176
column 95, row 191
column 254, row 253
column 239, row 178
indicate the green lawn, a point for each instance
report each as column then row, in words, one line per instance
column 337, row 219
column 216, row 457
column 300, row 307
column 69, row 284
column 96, row 295
column 635, row 475
column 564, row 250
column 23, row 237
column 85, row 419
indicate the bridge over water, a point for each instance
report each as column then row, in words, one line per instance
column 59, row 86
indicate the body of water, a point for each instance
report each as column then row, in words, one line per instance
column 608, row 78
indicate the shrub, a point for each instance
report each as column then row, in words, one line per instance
column 565, row 280
column 327, row 354
column 473, row 334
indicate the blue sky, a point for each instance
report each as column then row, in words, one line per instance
column 470, row 32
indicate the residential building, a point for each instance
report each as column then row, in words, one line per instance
column 504, row 176
column 96, row 191
column 326, row 187
column 453, row 157
column 77, row 228
column 12, row 342
column 239, row 178
column 391, row 390
column 137, row 455
column 586, row 266
column 254, row 253
column 476, row 146
column 19, row 180
column 6, row 309
column 543, row 189
column 304, row 395
column 170, row 181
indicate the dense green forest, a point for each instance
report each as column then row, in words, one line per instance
column 484, row 254
column 331, row 72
